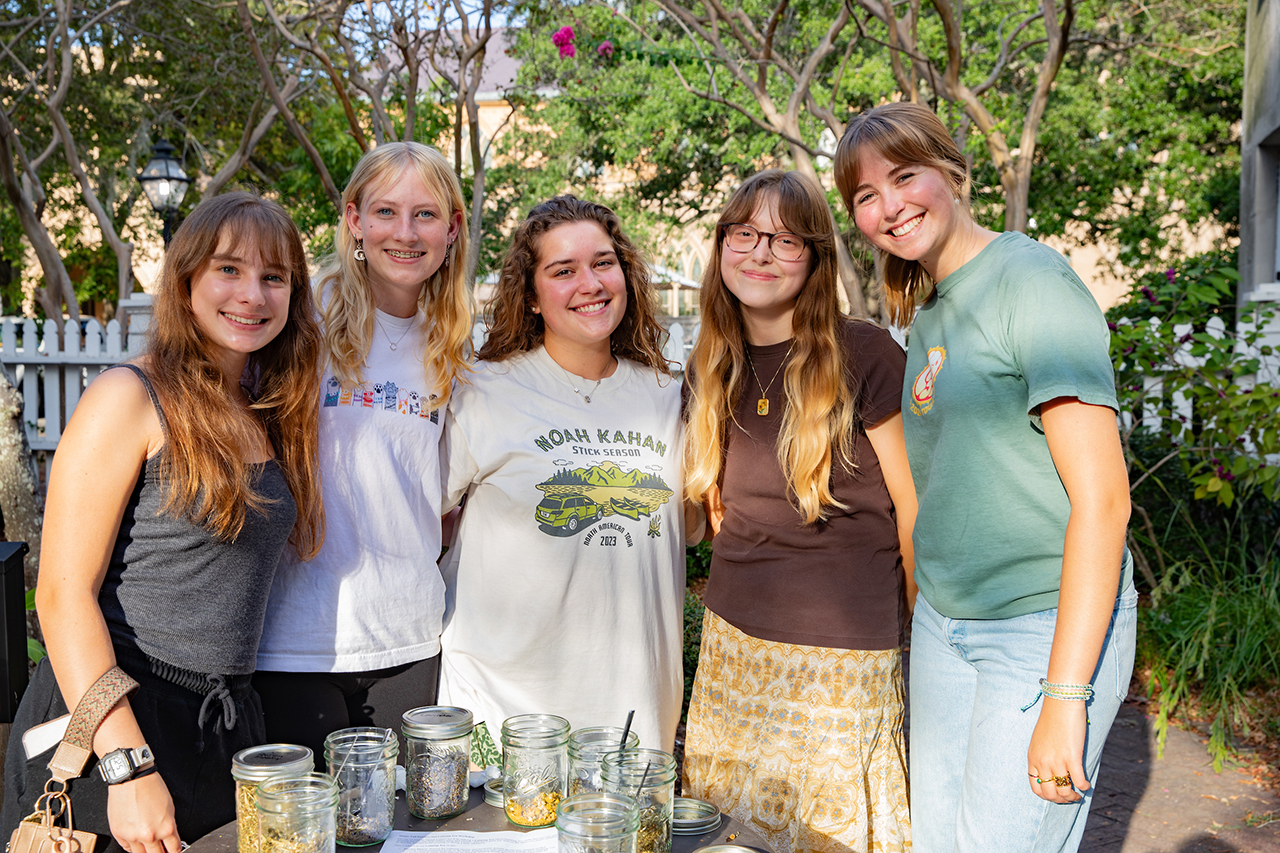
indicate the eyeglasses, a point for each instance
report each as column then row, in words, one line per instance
column 785, row 246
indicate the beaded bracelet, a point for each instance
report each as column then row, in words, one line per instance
column 1062, row 692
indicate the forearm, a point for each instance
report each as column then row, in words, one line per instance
column 80, row 651
column 1092, row 552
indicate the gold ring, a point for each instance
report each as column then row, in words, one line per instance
column 1062, row 781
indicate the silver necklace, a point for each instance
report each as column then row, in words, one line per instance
column 586, row 398
column 394, row 344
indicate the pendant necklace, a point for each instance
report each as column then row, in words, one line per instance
column 396, row 343
column 762, row 405
column 586, row 398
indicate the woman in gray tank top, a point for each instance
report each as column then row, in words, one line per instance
column 176, row 486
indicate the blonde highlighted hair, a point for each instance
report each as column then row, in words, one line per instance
column 516, row 328
column 820, row 399
column 903, row 134
column 446, row 300
column 207, row 435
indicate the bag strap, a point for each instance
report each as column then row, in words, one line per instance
column 76, row 748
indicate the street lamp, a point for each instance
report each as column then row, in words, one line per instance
column 165, row 184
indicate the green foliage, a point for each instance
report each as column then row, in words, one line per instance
column 698, row 561
column 35, row 650
column 1212, row 633
column 1165, row 331
column 693, row 612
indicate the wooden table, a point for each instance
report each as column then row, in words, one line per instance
column 480, row 817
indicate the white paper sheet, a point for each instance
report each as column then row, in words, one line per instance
column 537, row 841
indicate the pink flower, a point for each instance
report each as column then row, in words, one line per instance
column 605, row 49
column 562, row 36
column 566, row 50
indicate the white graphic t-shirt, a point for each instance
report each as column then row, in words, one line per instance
column 373, row 597
column 566, row 579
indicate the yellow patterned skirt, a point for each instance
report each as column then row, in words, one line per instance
column 803, row 743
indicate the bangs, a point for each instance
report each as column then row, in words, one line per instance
column 273, row 241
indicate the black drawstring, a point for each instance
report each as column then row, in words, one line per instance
column 227, row 719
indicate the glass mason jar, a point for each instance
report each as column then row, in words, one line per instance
column 649, row 776
column 597, row 823
column 362, row 760
column 298, row 814
column 250, row 767
column 535, row 767
column 437, row 760
column 586, row 748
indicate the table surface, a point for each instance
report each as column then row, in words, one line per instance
column 480, row 817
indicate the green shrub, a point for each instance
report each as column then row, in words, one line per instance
column 693, row 610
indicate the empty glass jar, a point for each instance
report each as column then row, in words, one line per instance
column 253, row 766
column 298, row 814
column 649, row 776
column 597, row 823
column 362, row 761
column 437, row 759
column 586, row 748
column 535, row 767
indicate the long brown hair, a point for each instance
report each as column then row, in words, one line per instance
column 902, row 133
column 516, row 328
column 206, row 434
column 821, row 400
column 446, row 301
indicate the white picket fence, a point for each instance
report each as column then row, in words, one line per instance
column 51, row 372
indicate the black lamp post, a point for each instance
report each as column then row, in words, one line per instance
column 165, row 184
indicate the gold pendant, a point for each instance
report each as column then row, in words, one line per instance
column 762, row 406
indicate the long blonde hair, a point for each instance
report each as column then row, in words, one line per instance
column 446, row 301
column 903, row 134
column 821, row 400
column 516, row 328
column 206, row 435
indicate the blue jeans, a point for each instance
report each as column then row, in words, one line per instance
column 969, row 737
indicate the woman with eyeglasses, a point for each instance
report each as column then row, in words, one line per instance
column 794, row 443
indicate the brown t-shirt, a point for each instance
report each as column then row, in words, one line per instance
column 835, row 584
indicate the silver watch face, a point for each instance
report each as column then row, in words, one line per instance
column 116, row 766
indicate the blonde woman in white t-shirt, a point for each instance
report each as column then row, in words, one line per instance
column 352, row 636
column 566, row 579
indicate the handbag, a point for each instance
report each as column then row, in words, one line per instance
column 39, row 831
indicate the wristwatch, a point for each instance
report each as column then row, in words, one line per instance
column 121, row 765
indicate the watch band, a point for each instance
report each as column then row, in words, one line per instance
column 77, row 744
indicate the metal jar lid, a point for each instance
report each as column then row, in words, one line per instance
column 437, row 722
column 693, row 817
column 258, row 763
column 493, row 795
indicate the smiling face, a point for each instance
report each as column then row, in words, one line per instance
column 240, row 303
column 406, row 232
column 767, row 288
column 911, row 212
column 579, row 289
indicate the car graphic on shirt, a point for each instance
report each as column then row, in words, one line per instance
column 564, row 514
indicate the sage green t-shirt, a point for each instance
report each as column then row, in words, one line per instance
column 1009, row 330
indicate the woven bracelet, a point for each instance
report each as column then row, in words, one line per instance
column 1062, row 692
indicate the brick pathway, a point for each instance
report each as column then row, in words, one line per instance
column 1175, row 803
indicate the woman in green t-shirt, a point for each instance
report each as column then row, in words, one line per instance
column 1010, row 422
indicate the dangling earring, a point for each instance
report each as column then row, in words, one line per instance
column 358, row 254
column 448, row 254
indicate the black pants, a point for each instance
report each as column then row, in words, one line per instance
column 193, row 759
column 305, row 707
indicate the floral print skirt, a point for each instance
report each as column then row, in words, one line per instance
column 803, row 743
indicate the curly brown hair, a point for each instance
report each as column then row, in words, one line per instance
column 515, row 327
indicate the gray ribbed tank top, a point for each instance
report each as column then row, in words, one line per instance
column 178, row 593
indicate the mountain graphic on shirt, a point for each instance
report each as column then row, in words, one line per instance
column 574, row 497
